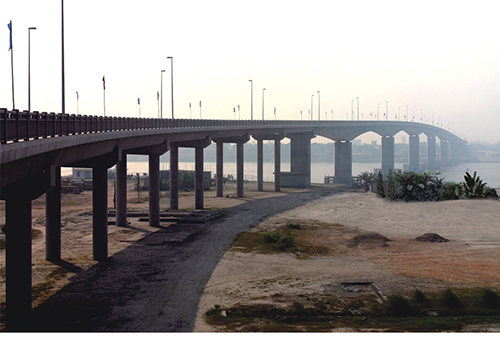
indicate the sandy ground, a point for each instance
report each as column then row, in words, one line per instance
column 154, row 283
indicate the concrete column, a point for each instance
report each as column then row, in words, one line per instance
column 414, row 150
column 18, row 264
column 174, row 178
column 121, row 192
column 154, row 190
column 100, row 212
column 431, row 152
column 53, row 220
column 343, row 162
column 387, row 154
column 220, row 169
column 260, row 165
column 300, row 156
column 277, row 165
column 444, row 153
column 454, row 153
column 198, row 182
column 239, row 170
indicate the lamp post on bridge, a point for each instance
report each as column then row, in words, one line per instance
column 357, row 102
column 352, row 110
column 319, row 110
column 172, row 81
column 29, row 67
column 251, row 99
column 161, row 89
column 263, row 103
column 312, row 111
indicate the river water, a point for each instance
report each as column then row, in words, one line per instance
column 489, row 172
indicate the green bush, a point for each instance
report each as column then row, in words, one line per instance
column 473, row 186
column 271, row 237
column 490, row 193
column 453, row 190
column 399, row 306
column 450, row 300
column 420, row 297
column 490, row 299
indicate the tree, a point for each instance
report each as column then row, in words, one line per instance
column 380, row 185
column 391, row 187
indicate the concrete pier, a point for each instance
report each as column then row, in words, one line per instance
column 198, row 181
column 387, row 154
column 219, row 175
column 260, row 164
column 277, row 165
column 121, row 191
column 53, row 219
column 300, row 161
column 431, row 152
column 100, row 213
column 445, row 153
column 239, row 141
column 154, row 190
column 174, row 177
column 343, row 162
column 414, row 153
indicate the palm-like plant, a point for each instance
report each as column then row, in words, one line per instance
column 473, row 186
column 366, row 178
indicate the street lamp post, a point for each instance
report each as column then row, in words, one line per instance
column 319, row 110
column 357, row 102
column 263, row 103
column 352, row 110
column 312, row 111
column 172, row 81
column 161, row 88
column 29, row 67
column 251, row 99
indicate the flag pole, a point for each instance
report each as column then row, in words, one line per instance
column 12, row 64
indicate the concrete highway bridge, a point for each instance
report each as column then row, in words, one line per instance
column 34, row 147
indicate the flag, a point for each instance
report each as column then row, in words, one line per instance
column 158, row 95
column 103, row 83
column 139, row 101
column 9, row 25
column 200, row 104
column 189, row 105
column 77, row 95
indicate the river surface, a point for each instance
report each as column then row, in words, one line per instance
column 489, row 172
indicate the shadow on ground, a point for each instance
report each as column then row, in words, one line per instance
column 156, row 284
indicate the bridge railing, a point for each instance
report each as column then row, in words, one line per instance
column 18, row 125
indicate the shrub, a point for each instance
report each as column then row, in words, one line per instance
column 366, row 179
column 420, row 297
column 271, row 237
column 450, row 300
column 490, row 193
column 399, row 306
column 380, row 185
column 490, row 299
column 414, row 186
column 453, row 190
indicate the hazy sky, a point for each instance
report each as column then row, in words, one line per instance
column 437, row 57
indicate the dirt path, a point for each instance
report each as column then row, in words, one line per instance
column 156, row 284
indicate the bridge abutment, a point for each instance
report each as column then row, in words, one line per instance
column 276, row 137
column 343, row 162
column 100, row 213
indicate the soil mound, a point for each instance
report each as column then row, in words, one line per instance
column 431, row 237
column 371, row 240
